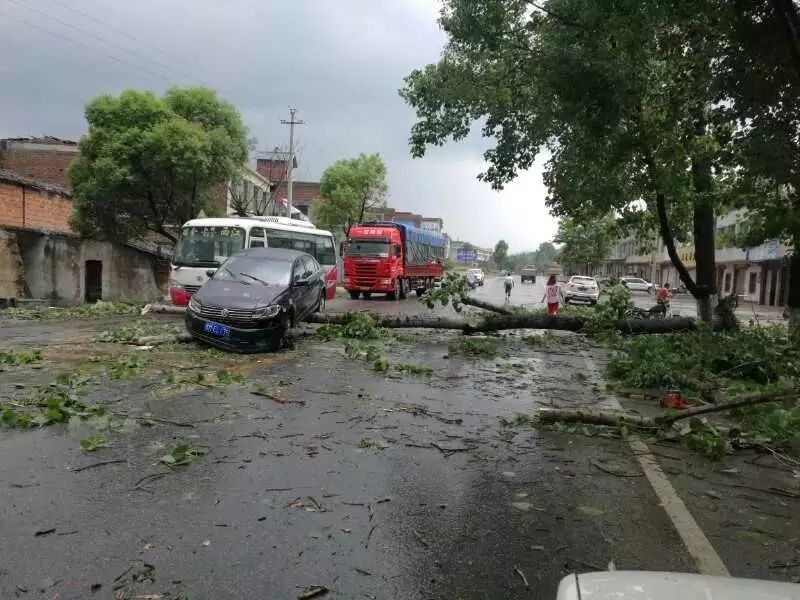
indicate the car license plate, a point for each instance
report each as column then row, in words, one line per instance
column 216, row 329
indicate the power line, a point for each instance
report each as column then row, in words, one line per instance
column 95, row 36
column 121, row 32
column 75, row 42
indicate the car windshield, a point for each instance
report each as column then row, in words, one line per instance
column 261, row 271
column 475, row 271
column 375, row 248
column 207, row 246
column 583, row 280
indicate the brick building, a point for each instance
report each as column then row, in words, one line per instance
column 41, row 257
column 274, row 168
column 44, row 159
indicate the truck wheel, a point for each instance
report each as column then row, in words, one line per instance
column 366, row 295
column 403, row 289
column 354, row 295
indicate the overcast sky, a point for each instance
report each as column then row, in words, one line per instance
column 340, row 63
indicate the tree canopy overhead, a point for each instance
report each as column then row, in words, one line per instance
column 150, row 163
column 350, row 188
column 620, row 94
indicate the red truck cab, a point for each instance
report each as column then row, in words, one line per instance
column 391, row 258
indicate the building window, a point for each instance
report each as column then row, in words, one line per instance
column 727, row 282
column 751, row 284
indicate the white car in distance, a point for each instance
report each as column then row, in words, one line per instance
column 637, row 284
column 580, row 288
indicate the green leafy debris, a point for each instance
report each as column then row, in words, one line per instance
column 98, row 309
column 20, row 358
column 181, row 455
column 92, row 443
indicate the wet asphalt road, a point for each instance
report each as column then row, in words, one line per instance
column 373, row 485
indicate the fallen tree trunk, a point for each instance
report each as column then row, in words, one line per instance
column 515, row 320
column 592, row 417
column 470, row 301
column 491, row 322
column 163, row 308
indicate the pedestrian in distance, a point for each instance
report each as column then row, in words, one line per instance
column 508, row 282
column 553, row 296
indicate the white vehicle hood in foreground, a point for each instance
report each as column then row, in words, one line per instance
column 649, row 585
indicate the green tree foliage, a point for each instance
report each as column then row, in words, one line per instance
column 542, row 258
column 350, row 188
column 500, row 254
column 150, row 163
column 621, row 97
column 585, row 246
column 760, row 71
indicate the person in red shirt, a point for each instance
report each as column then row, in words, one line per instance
column 662, row 297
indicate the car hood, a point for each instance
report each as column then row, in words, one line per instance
column 648, row 585
column 235, row 294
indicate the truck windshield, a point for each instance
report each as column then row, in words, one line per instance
column 207, row 246
column 376, row 248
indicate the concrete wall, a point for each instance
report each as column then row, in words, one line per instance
column 55, row 269
column 12, row 275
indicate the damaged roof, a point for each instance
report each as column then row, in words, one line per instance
column 36, row 184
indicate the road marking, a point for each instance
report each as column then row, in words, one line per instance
column 697, row 544
column 707, row 560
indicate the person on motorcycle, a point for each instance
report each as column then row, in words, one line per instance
column 508, row 282
column 662, row 298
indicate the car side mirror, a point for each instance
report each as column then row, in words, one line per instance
column 210, row 272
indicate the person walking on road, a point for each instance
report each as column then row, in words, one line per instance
column 508, row 282
column 553, row 296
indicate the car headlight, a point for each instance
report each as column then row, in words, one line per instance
column 267, row 312
column 194, row 305
column 175, row 285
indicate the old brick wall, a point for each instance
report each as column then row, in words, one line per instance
column 29, row 208
column 43, row 161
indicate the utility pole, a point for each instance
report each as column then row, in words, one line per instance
column 290, row 164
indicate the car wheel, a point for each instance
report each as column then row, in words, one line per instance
column 321, row 303
column 275, row 338
column 354, row 295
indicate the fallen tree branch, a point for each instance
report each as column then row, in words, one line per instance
column 748, row 400
column 615, row 418
column 167, row 338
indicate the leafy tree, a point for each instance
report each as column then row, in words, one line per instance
column 585, row 246
column 350, row 188
column 621, row 97
column 150, row 163
column 500, row 255
column 546, row 255
column 760, row 72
